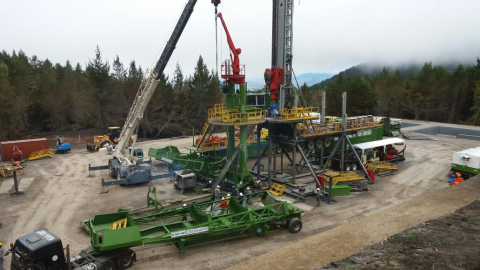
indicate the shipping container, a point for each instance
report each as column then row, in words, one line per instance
column 26, row 146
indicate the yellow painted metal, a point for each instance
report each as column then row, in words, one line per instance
column 299, row 113
column 277, row 189
column 7, row 170
column 309, row 130
column 382, row 167
column 119, row 224
column 264, row 133
column 233, row 116
column 42, row 153
column 342, row 177
column 201, row 139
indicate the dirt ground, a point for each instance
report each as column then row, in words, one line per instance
column 451, row 242
column 59, row 194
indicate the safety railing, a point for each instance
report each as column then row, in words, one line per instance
column 299, row 113
column 210, row 146
column 354, row 123
column 235, row 117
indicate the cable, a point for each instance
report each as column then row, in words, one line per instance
column 299, row 90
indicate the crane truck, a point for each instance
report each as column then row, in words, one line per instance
column 127, row 164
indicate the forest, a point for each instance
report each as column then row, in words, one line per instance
column 432, row 94
column 38, row 96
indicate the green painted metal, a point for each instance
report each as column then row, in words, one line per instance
column 341, row 190
column 232, row 101
column 467, row 169
column 195, row 224
column 361, row 136
column 203, row 166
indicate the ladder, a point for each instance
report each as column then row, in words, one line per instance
column 206, row 132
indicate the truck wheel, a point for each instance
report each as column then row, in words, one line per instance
column 347, row 167
column 108, row 265
column 124, row 261
column 310, row 145
column 319, row 143
column 295, row 225
column 354, row 166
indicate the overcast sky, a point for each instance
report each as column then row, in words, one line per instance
column 329, row 35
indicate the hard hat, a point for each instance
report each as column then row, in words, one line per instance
column 223, row 198
column 184, row 205
column 210, row 182
column 248, row 188
column 241, row 194
column 218, row 186
column 233, row 186
column 318, row 189
column 0, row 244
column 228, row 195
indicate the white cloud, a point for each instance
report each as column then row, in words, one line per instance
column 329, row 35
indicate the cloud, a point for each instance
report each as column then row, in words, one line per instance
column 329, row 35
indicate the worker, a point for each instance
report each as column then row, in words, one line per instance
column 318, row 197
column 259, row 184
column 223, row 205
column 208, row 184
column 1, row 258
column 241, row 198
column 234, row 191
column 273, row 109
column 228, row 198
column 184, row 217
column 217, row 193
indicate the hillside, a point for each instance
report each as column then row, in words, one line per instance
column 308, row 78
column 370, row 69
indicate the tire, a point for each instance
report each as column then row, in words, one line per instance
column 310, row 145
column 112, row 171
column 108, row 265
column 319, row 143
column 103, row 144
column 327, row 142
column 354, row 166
column 295, row 225
column 124, row 261
column 347, row 167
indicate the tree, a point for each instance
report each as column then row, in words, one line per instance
column 98, row 76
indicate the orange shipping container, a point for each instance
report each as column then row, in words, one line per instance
column 26, row 146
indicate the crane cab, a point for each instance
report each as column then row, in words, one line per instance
column 137, row 154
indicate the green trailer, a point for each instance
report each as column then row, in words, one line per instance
column 197, row 223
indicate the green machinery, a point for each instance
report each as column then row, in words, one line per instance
column 392, row 126
column 197, row 223
column 203, row 166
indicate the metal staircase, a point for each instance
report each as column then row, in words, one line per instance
column 206, row 133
